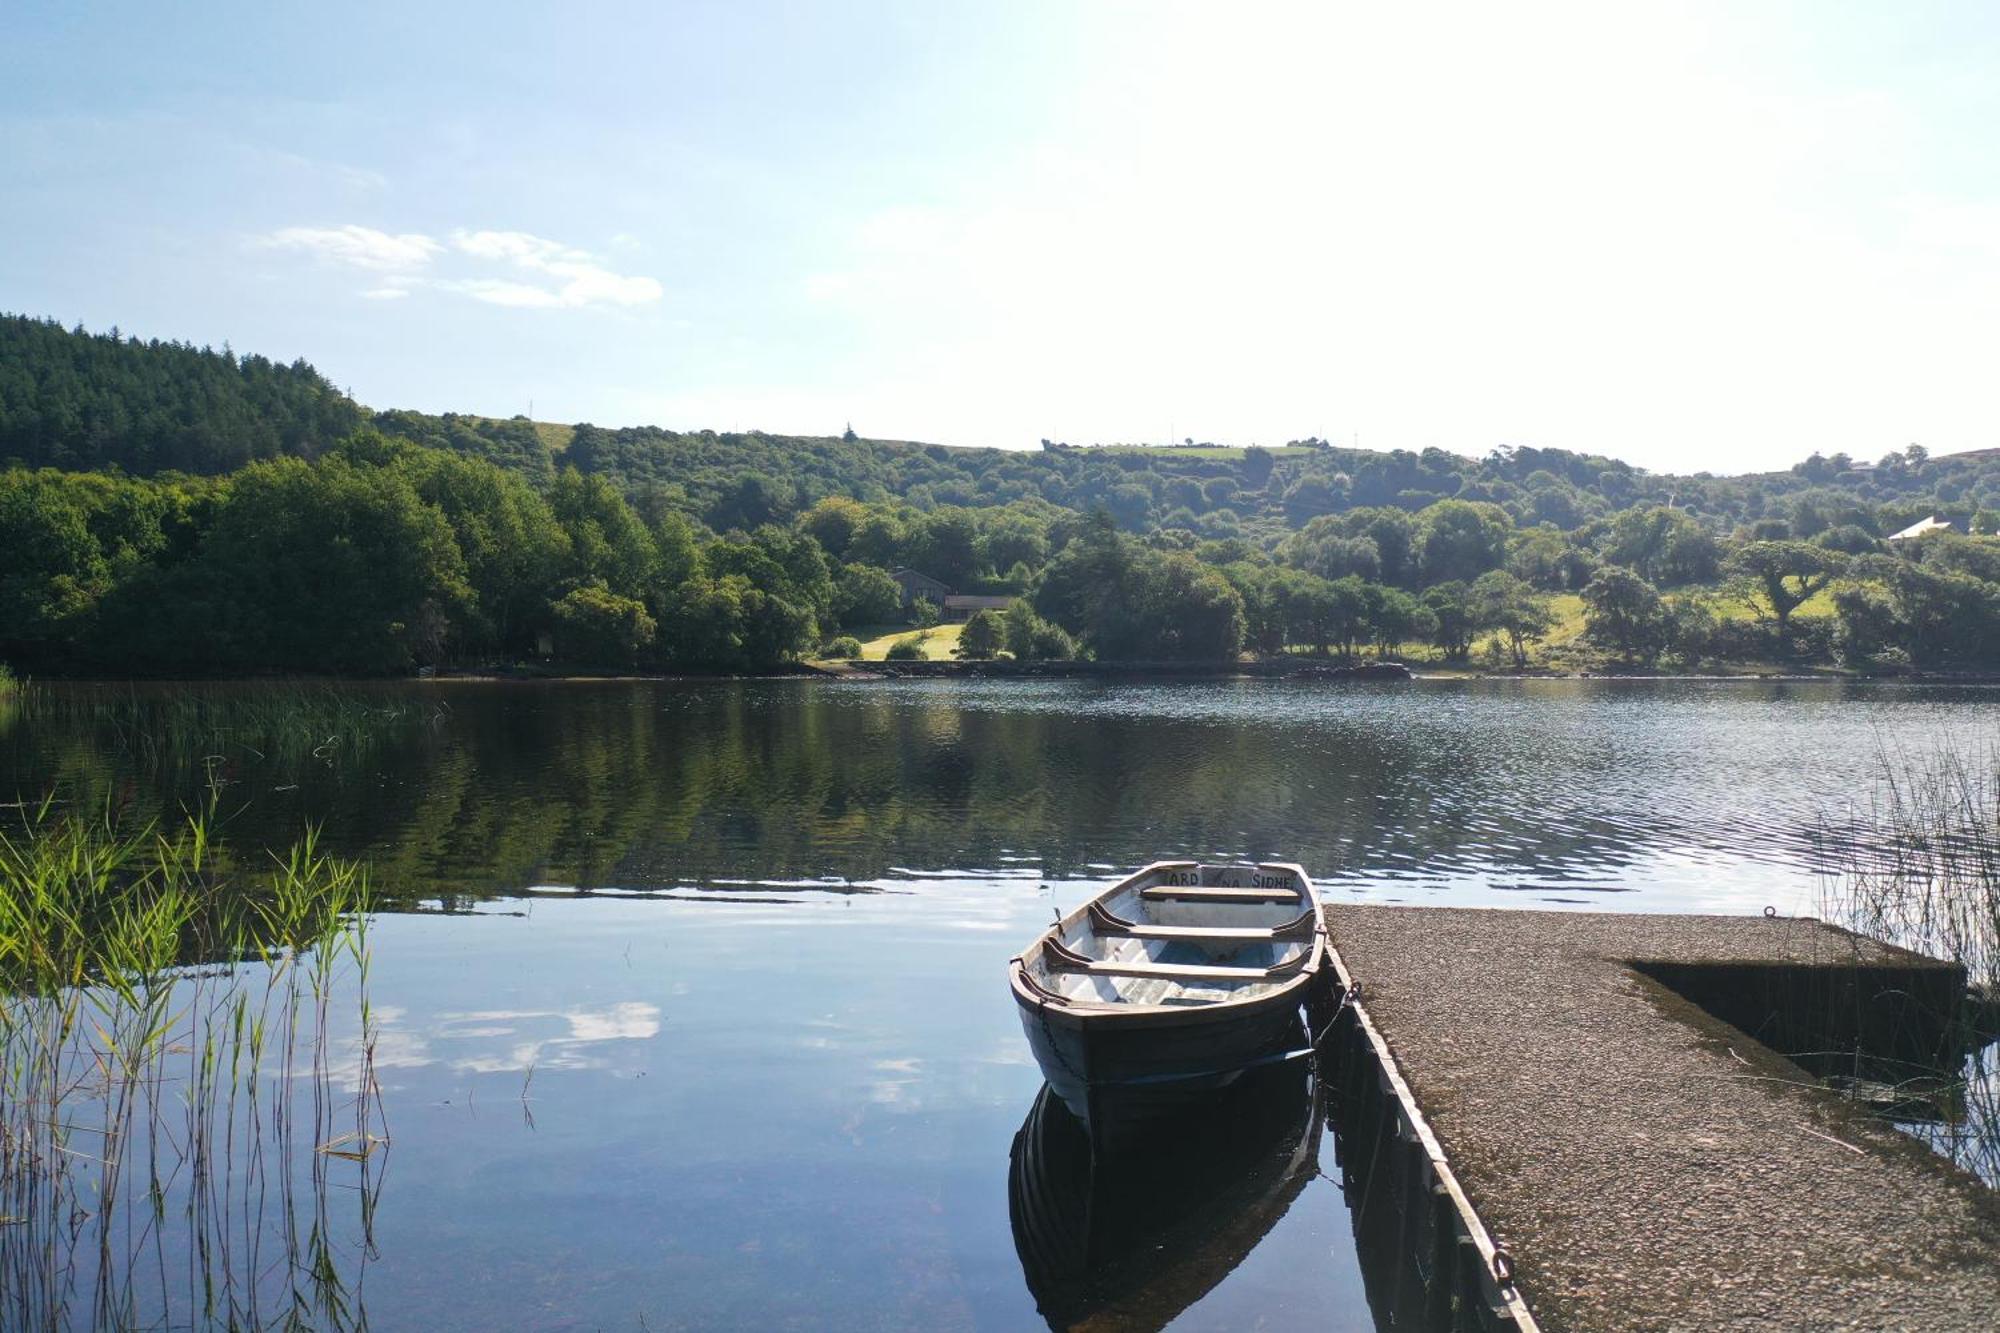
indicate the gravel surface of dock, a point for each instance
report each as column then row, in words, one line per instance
column 1646, row 1164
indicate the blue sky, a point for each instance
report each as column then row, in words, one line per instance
column 1695, row 236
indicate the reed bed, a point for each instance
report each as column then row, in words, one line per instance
column 194, row 727
column 1919, row 866
column 190, row 1130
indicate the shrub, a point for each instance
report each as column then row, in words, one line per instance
column 1623, row 611
column 846, row 648
column 983, row 636
column 1033, row 639
column 908, row 650
column 1745, row 641
column 599, row 627
column 1867, row 624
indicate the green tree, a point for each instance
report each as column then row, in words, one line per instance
column 1454, row 621
column 1263, row 609
column 1129, row 603
column 676, row 548
column 1033, row 639
column 1341, row 611
column 1507, row 604
column 53, row 571
column 1189, row 612
column 948, row 548
column 1785, row 574
column 752, row 500
column 597, row 627
column 1322, row 547
column 607, row 542
column 332, row 568
column 1395, row 617
column 513, row 548
column 879, row 539
column 1664, row 546
column 1866, row 625
column 1940, row 620
column 726, row 621
column 1461, row 540
column 982, row 637
column 1257, row 464
column 1623, row 611
column 1311, row 496
column 1690, row 627
column 1394, row 533
column 832, row 522
column 1008, row 538
column 865, row 595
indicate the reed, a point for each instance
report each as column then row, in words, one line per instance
column 194, row 727
column 178, row 1094
column 1919, row 866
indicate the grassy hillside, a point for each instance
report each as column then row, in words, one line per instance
column 940, row 643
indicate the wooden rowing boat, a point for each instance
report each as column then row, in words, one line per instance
column 1168, row 985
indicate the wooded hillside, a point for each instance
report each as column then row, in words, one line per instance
column 171, row 508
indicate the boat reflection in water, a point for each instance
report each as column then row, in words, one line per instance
column 1130, row 1238
column 1130, row 1229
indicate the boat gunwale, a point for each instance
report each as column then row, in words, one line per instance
column 1049, row 1008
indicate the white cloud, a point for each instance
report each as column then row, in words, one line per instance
column 590, row 285
column 519, row 246
column 579, row 279
column 497, row 291
column 546, row 274
column 360, row 247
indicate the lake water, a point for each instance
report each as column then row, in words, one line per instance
column 691, row 999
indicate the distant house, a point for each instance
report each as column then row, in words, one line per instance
column 917, row 585
column 962, row 607
column 1931, row 524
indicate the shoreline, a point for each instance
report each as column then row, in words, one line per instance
column 1311, row 670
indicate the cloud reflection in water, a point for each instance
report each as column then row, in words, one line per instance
column 541, row 1038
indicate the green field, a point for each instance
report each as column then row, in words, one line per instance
column 1210, row 451
column 553, row 434
column 937, row 648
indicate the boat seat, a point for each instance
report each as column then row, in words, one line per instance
column 1103, row 921
column 1196, row 893
column 1062, row 958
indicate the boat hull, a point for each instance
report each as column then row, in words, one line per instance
column 1121, row 1075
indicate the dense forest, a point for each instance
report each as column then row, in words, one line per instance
column 167, row 509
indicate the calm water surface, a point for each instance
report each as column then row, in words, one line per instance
column 695, row 1012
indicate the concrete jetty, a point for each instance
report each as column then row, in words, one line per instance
column 1598, row 1086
